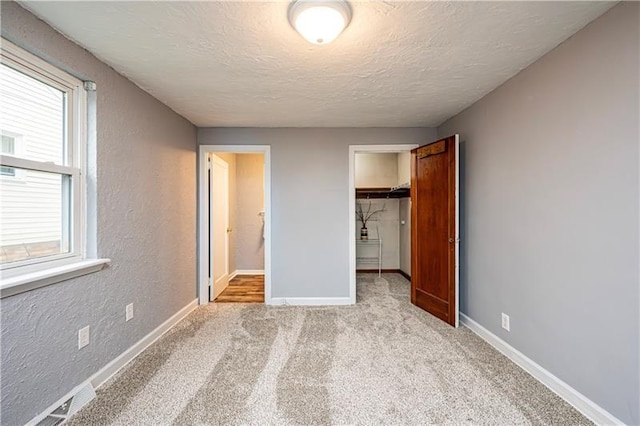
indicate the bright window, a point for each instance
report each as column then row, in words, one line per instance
column 8, row 148
column 42, row 125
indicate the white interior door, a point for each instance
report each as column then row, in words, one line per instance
column 219, row 208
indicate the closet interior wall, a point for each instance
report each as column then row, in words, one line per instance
column 379, row 172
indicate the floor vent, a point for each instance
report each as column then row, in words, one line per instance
column 69, row 407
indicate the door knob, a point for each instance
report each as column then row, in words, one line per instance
column 228, row 230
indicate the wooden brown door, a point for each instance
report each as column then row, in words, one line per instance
column 434, row 228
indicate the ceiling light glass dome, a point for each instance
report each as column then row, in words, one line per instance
column 319, row 22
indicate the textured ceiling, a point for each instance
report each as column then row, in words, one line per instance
column 241, row 64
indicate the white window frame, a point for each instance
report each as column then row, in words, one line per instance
column 74, row 162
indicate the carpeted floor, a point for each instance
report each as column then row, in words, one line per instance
column 382, row 361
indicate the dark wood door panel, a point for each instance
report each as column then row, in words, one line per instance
column 433, row 224
column 433, row 228
column 432, row 304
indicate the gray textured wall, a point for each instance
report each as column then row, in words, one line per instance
column 249, row 249
column 310, row 203
column 145, row 223
column 550, row 232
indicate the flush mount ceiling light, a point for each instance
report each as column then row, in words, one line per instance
column 319, row 22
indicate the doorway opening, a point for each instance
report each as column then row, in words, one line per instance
column 234, row 249
column 429, row 217
column 380, row 219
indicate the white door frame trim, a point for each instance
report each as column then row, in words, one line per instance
column 203, row 223
column 380, row 149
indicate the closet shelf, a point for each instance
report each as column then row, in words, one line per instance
column 401, row 187
column 400, row 191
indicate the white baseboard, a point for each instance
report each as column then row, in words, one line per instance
column 247, row 272
column 580, row 402
column 217, row 291
column 310, row 301
column 123, row 359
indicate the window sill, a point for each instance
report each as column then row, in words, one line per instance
column 27, row 282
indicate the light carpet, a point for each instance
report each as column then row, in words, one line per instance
column 381, row 361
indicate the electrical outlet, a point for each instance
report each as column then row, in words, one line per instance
column 129, row 312
column 83, row 337
column 505, row 322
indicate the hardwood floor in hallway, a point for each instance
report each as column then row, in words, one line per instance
column 243, row 289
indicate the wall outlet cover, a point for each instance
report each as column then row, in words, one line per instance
column 505, row 322
column 83, row 337
column 129, row 312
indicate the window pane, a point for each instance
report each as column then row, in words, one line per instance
column 34, row 218
column 7, row 171
column 8, row 145
column 36, row 112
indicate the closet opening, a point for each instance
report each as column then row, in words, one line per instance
column 380, row 216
